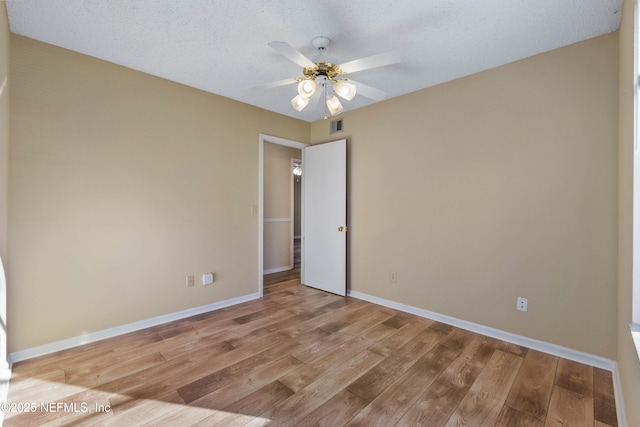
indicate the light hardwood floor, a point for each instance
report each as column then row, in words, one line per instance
column 300, row 356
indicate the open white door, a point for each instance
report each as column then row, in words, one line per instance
column 324, row 213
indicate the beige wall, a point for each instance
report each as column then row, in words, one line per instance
column 628, row 363
column 4, row 175
column 476, row 191
column 498, row 185
column 121, row 185
column 4, row 127
column 278, row 180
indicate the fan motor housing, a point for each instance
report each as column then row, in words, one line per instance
column 323, row 69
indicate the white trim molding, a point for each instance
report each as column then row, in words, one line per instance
column 278, row 269
column 278, row 219
column 635, row 335
column 263, row 138
column 124, row 329
column 543, row 346
column 554, row 349
column 621, row 410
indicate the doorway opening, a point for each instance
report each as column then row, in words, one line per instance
column 280, row 253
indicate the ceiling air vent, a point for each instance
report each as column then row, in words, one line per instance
column 336, row 126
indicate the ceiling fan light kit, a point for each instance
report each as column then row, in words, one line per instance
column 307, row 87
column 299, row 102
column 334, row 105
column 345, row 89
column 323, row 72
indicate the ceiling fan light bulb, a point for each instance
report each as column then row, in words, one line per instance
column 334, row 105
column 299, row 102
column 345, row 90
column 306, row 88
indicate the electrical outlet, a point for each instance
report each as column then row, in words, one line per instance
column 393, row 277
column 207, row 279
column 522, row 304
column 190, row 281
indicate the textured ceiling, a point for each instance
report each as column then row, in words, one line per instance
column 221, row 46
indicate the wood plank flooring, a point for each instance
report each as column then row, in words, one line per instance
column 304, row 357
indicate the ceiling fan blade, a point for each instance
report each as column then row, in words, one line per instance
column 368, row 91
column 273, row 84
column 287, row 50
column 373, row 61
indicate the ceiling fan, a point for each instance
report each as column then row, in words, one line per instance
column 323, row 77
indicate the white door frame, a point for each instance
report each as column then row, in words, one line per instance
column 274, row 140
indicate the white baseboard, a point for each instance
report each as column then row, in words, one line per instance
column 554, row 349
column 278, row 269
column 621, row 410
column 123, row 329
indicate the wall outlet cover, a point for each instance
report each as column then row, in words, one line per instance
column 207, row 278
column 522, row 304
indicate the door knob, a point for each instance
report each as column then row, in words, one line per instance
column 341, row 228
